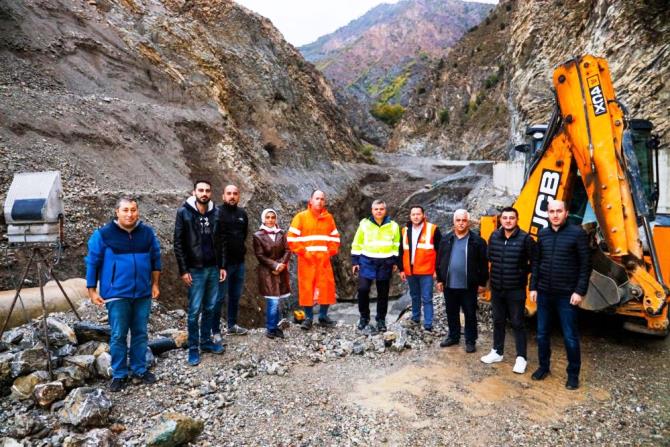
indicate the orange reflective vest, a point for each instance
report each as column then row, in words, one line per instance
column 314, row 238
column 425, row 254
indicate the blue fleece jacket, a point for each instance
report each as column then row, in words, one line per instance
column 122, row 261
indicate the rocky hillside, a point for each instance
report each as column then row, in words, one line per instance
column 497, row 80
column 378, row 58
column 144, row 96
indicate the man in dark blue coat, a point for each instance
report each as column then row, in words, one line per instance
column 124, row 257
column 559, row 281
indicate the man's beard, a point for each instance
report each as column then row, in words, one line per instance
column 203, row 200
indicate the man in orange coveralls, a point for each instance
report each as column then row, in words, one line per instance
column 314, row 238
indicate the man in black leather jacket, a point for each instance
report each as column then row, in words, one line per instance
column 200, row 253
column 560, row 280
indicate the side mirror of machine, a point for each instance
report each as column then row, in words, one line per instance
column 525, row 148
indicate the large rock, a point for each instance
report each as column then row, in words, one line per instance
column 174, row 429
column 88, row 348
column 6, row 368
column 60, row 334
column 71, row 376
column 87, row 331
column 86, row 407
column 98, row 437
column 47, row 393
column 85, row 362
column 103, row 365
column 401, row 337
column 13, row 336
column 29, row 360
column 23, row 386
column 26, row 424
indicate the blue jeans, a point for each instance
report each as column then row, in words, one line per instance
column 201, row 301
column 421, row 291
column 567, row 315
column 232, row 287
column 128, row 314
column 323, row 311
column 272, row 313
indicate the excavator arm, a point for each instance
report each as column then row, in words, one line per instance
column 585, row 140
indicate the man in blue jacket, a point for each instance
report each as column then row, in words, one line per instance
column 124, row 258
column 559, row 281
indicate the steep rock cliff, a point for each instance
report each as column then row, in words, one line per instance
column 497, row 79
column 143, row 97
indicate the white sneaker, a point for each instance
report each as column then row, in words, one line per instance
column 216, row 338
column 492, row 357
column 520, row 365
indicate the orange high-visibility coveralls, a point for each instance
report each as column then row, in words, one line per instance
column 314, row 238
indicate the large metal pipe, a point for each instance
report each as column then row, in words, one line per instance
column 32, row 302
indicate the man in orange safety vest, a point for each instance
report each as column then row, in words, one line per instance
column 418, row 251
column 313, row 236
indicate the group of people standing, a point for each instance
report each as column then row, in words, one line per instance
column 124, row 264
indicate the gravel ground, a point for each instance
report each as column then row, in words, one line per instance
column 311, row 390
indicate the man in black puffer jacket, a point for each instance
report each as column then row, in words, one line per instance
column 560, row 280
column 510, row 253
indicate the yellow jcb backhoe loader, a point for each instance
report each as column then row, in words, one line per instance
column 604, row 165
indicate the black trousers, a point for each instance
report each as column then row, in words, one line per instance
column 454, row 300
column 509, row 303
column 364, row 286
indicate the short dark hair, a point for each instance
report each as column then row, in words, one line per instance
column 417, row 206
column 195, row 184
column 510, row 209
column 125, row 198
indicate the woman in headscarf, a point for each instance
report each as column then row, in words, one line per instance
column 271, row 250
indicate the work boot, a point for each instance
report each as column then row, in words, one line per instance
column 362, row 324
column 572, row 383
column 193, row 356
column 381, row 326
column 448, row 341
column 117, row 384
column 540, row 374
column 470, row 348
column 237, row 330
column 327, row 322
column 274, row 333
column 306, row 324
column 212, row 347
column 148, row 378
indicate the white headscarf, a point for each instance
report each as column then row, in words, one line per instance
column 276, row 228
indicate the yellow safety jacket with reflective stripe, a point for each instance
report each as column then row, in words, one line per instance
column 376, row 241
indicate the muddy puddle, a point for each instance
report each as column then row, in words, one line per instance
column 453, row 381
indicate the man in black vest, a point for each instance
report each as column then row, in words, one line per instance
column 462, row 271
column 510, row 254
column 559, row 281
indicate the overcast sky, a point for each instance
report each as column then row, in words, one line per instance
column 303, row 21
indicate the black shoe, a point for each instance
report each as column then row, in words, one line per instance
column 147, row 378
column 448, row 341
column 275, row 333
column 362, row 324
column 428, row 328
column 327, row 322
column 540, row 374
column 306, row 324
column 572, row 383
column 470, row 348
column 117, row 385
column 381, row 326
